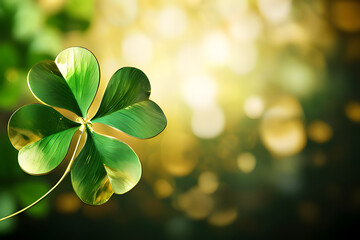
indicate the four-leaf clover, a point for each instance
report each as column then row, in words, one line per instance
column 43, row 136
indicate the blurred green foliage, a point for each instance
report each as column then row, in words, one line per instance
column 28, row 35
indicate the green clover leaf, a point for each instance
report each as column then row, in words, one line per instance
column 43, row 136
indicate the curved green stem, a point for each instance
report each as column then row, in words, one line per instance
column 60, row 180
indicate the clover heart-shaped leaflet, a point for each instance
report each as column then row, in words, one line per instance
column 42, row 135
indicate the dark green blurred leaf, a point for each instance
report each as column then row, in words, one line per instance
column 28, row 192
column 74, row 17
column 66, row 23
column 34, row 58
column 48, row 41
column 28, row 20
column 8, row 161
column 10, row 76
column 9, row 58
column 7, row 207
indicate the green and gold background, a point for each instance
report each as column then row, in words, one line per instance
column 263, row 107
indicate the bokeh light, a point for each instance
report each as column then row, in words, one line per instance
column 196, row 204
column 243, row 58
column 137, row 49
column 68, row 203
column 179, row 154
column 352, row 110
column 345, row 15
column 172, row 22
column 282, row 128
column 200, row 92
column 119, row 12
column 275, row 11
column 248, row 28
column 263, row 108
column 208, row 182
column 254, row 107
column 208, row 122
column 320, row 131
column 163, row 188
column 246, row 162
column 216, row 47
column 223, row 218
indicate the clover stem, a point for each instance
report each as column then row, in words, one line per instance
column 60, row 180
column 89, row 125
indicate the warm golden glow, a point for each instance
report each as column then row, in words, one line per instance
column 179, row 154
column 232, row 9
column 68, row 114
column 320, row 131
column 243, row 58
column 190, row 64
column 246, row 162
column 244, row 85
column 352, row 111
column 104, row 192
column 168, row 18
column 200, row 92
column 115, row 133
column 223, row 218
column 247, row 28
column 196, row 204
column 275, row 11
column 21, row 137
column 137, row 49
column 163, row 188
column 121, row 181
column 67, row 203
column 282, row 127
column 346, row 15
column 208, row 182
column 119, row 12
column 208, row 122
column 216, row 47
column 254, row 107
